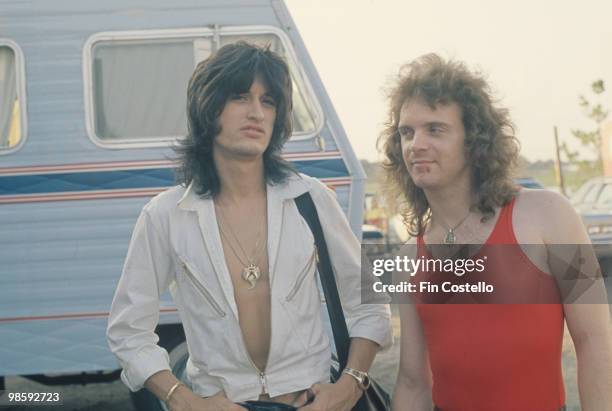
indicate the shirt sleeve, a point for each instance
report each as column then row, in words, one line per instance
column 134, row 312
column 369, row 321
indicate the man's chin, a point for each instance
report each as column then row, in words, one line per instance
column 246, row 152
column 425, row 184
column 250, row 153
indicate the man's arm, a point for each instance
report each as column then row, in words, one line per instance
column 370, row 321
column 413, row 385
column 344, row 393
column 183, row 399
column 361, row 356
column 589, row 326
column 369, row 324
column 587, row 315
column 134, row 313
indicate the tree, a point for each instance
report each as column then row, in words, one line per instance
column 591, row 139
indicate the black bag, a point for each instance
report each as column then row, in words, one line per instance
column 374, row 398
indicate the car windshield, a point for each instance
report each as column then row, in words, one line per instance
column 581, row 193
column 605, row 196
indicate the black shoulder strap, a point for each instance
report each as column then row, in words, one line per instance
column 341, row 336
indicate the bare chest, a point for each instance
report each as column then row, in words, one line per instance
column 244, row 240
column 474, row 230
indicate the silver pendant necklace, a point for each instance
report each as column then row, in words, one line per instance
column 251, row 274
column 250, row 271
column 451, row 238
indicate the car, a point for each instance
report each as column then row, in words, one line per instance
column 595, row 193
column 378, row 244
column 372, row 234
column 593, row 201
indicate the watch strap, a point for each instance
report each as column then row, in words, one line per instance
column 362, row 377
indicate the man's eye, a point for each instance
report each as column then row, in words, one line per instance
column 405, row 132
column 435, row 129
column 270, row 102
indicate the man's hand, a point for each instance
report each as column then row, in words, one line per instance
column 340, row 396
column 185, row 400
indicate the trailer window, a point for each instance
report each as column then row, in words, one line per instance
column 10, row 105
column 138, row 83
column 139, row 88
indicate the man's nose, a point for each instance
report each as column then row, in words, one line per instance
column 256, row 111
column 419, row 141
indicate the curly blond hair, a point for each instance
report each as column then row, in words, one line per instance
column 491, row 147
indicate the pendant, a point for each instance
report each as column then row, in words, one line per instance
column 450, row 237
column 251, row 274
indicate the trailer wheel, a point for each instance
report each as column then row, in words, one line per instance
column 176, row 346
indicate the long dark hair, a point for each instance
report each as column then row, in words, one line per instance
column 491, row 147
column 230, row 71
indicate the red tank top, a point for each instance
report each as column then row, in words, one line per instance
column 497, row 357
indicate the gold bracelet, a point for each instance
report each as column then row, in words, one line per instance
column 174, row 387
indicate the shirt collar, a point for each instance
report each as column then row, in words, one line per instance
column 292, row 187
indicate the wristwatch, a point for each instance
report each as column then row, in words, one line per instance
column 362, row 378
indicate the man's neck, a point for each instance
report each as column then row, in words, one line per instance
column 450, row 205
column 240, row 180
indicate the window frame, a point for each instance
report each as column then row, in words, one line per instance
column 21, row 93
column 214, row 34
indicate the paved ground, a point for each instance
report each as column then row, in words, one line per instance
column 115, row 396
column 95, row 397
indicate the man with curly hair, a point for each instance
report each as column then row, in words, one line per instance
column 449, row 155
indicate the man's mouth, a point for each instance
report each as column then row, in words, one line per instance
column 253, row 129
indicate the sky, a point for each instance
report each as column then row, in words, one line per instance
column 538, row 56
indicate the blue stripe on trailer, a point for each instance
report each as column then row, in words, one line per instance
column 134, row 179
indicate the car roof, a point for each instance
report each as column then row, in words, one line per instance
column 601, row 179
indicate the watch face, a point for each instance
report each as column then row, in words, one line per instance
column 366, row 381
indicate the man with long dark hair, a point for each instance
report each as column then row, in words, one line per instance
column 449, row 155
column 239, row 259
